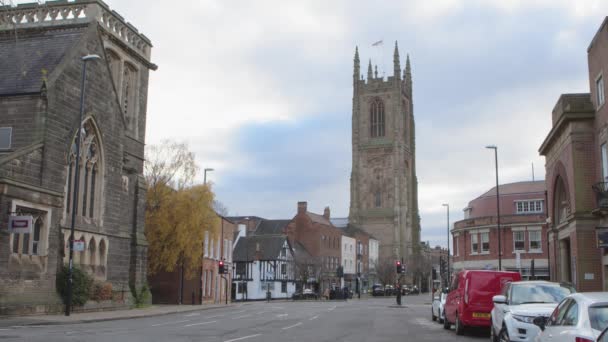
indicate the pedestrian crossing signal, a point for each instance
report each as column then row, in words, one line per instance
column 221, row 268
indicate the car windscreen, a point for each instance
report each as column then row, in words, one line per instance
column 538, row 293
column 598, row 316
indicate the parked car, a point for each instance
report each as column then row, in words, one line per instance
column 519, row 303
column 437, row 306
column 580, row 317
column 603, row 336
column 377, row 290
column 389, row 290
column 305, row 294
column 469, row 301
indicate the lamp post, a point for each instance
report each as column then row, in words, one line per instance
column 205, row 174
column 84, row 59
column 447, row 205
column 493, row 147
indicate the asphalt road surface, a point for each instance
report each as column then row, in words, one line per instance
column 369, row 319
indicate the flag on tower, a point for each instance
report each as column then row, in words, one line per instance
column 380, row 42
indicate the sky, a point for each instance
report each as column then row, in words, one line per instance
column 262, row 91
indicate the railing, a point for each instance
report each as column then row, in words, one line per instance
column 54, row 13
column 601, row 194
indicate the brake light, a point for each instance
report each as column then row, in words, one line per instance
column 466, row 293
column 582, row 339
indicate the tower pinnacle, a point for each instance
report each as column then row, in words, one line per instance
column 407, row 75
column 369, row 71
column 357, row 68
column 396, row 63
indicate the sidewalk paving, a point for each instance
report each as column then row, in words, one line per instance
column 89, row 317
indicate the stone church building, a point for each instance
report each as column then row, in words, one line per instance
column 383, row 193
column 41, row 47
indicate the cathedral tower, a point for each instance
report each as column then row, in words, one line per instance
column 383, row 184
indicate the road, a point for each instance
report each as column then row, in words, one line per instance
column 370, row 319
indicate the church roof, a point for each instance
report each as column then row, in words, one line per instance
column 517, row 188
column 26, row 61
column 269, row 247
column 266, row 227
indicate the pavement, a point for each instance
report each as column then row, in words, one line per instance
column 367, row 319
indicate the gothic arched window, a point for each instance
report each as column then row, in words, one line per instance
column 562, row 203
column 114, row 64
column 377, row 118
column 378, row 199
column 90, row 167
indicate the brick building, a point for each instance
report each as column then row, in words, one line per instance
column 40, row 86
column 321, row 240
column 523, row 231
column 206, row 286
column 577, row 171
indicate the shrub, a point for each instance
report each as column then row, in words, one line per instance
column 142, row 296
column 101, row 291
column 81, row 285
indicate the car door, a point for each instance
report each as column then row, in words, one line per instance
column 498, row 312
column 452, row 301
column 554, row 331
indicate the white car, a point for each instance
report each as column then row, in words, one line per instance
column 437, row 307
column 580, row 317
column 519, row 303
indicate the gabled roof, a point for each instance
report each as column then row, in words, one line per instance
column 318, row 218
column 26, row 61
column 517, row 188
column 269, row 247
column 273, row 227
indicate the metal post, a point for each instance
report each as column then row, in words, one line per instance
column 493, row 147
column 448, row 232
column 68, row 305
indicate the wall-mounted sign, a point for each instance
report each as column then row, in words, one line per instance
column 20, row 224
column 78, row 245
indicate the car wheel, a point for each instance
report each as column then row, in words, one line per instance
column 503, row 336
column 446, row 323
column 458, row 325
column 492, row 334
column 433, row 317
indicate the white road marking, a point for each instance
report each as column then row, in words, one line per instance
column 332, row 308
column 239, row 317
column 282, row 315
column 276, row 307
column 242, row 338
column 159, row 324
column 193, row 314
column 239, row 311
column 313, row 318
column 201, row 323
column 292, row 326
column 216, row 316
column 4, row 329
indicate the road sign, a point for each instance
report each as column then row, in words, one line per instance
column 20, row 224
column 78, row 245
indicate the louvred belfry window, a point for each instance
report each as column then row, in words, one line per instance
column 377, row 118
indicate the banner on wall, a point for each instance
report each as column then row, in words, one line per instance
column 20, row 224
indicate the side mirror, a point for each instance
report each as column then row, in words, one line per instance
column 540, row 322
column 499, row 299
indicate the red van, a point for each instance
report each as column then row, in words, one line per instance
column 469, row 301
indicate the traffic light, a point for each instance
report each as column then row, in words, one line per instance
column 340, row 271
column 434, row 273
column 399, row 268
column 221, row 268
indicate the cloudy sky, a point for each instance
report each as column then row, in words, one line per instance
column 261, row 91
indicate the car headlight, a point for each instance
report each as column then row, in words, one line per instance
column 525, row 319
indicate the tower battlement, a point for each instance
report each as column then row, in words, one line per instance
column 375, row 82
column 63, row 12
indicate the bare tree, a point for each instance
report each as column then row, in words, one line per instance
column 385, row 271
column 308, row 268
column 220, row 208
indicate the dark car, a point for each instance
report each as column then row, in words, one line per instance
column 377, row 290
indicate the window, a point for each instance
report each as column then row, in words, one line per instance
column 455, row 251
column 474, row 244
column 89, row 172
column 377, row 118
column 535, row 240
column 571, row 316
column 599, row 86
column 129, row 86
column 378, row 199
column 485, row 242
column 283, row 269
column 283, row 287
column 5, row 137
column 518, row 240
column 211, row 243
column 206, row 245
column 527, row 207
column 30, row 243
column 604, row 162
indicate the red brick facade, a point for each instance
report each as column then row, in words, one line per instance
column 574, row 166
column 517, row 220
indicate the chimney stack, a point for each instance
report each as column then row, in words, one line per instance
column 302, row 207
column 326, row 213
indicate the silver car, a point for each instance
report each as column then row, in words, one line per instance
column 437, row 306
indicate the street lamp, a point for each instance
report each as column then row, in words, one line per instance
column 205, row 174
column 84, row 59
column 447, row 205
column 493, row 147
